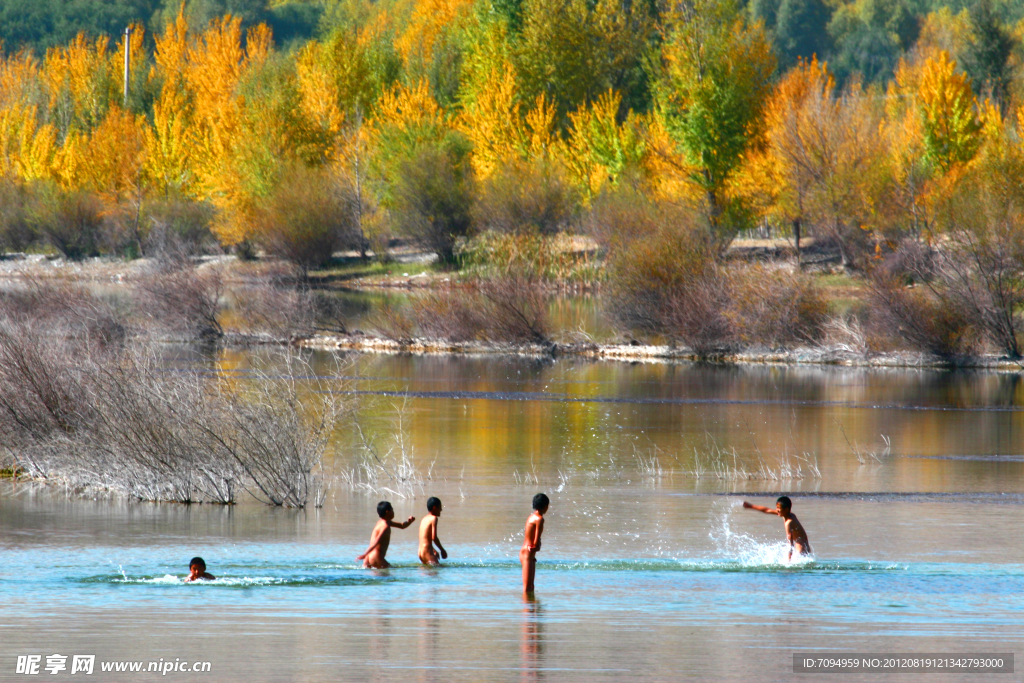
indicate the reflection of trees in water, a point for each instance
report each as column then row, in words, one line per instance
column 531, row 643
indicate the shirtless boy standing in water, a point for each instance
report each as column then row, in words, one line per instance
column 531, row 544
column 380, row 539
column 428, row 535
column 795, row 533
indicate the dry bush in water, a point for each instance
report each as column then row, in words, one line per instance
column 183, row 299
column 284, row 311
column 510, row 308
column 115, row 420
column 388, row 470
column 774, row 307
column 452, row 314
column 515, row 309
column 972, row 281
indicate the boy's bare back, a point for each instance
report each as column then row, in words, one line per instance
column 380, row 539
column 428, row 535
column 375, row 558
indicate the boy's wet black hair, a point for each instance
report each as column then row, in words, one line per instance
column 787, row 504
column 195, row 561
column 432, row 503
column 382, row 508
column 540, row 501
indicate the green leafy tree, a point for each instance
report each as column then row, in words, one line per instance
column 573, row 51
column 800, row 30
column 716, row 79
column 987, row 59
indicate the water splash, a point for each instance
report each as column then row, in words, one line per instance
column 747, row 551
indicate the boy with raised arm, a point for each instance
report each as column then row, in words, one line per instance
column 428, row 535
column 531, row 544
column 795, row 533
column 380, row 539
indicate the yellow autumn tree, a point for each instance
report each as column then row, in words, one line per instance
column 169, row 142
column 948, row 112
column 493, row 122
column 599, row 149
column 78, row 81
column 781, row 182
column 429, row 21
column 215, row 62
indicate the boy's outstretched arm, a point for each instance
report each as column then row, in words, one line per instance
column 378, row 532
column 760, row 508
column 402, row 525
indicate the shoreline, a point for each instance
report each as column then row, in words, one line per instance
column 120, row 273
column 645, row 353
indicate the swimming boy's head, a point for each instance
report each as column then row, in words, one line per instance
column 198, row 563
column 783, row 504
column 540, row 503
column 384, row 510
column 434, row 505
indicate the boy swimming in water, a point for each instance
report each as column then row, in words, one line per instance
column 795, row 533
column 428, row 535
column 531, row 544
column 380, row 539
column 197, row 571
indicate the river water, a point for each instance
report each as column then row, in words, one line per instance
column 909, row 484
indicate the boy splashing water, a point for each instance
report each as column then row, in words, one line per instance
column 380, row 539
column 531, row 544
column 428, row 535
column 795, row 533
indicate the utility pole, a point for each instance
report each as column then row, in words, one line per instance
column 127, row 61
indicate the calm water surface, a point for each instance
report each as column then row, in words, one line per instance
column 648, row 571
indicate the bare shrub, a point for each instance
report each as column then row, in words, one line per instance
column 71, row 222
column 307, row 217
column 17, row 230
column 119, row 422
column 619, row 217
column 774, row 307
column 526, row 198
column 183, row 299
column 918, row 318
column 178, row 228
column 283, row 310
column 912, row 261
column 452, row 313
column 393, row 320
column 387, row 470
column 516, row 309
column 670, row 283
column 433, row 201
column 510, row 308
column 67, row 308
